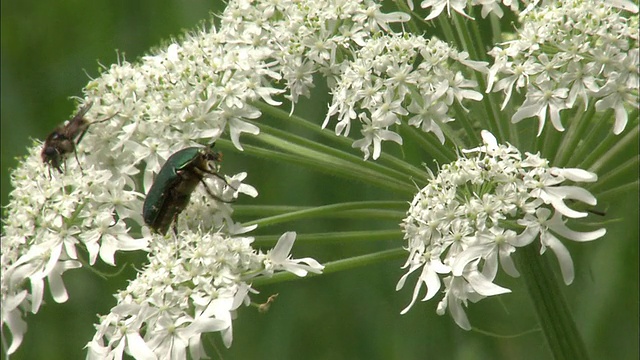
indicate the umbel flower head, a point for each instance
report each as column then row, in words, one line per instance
column 175, row 299
column 574, row 53
column 187, row 94
column 470, row 219
column 396, row 76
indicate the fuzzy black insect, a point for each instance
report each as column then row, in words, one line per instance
column 64, row 139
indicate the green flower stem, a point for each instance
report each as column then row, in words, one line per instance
column 489, row 100
column 338, row 265
column 322, row 162
column 430, row 144
column 332, row 151
column 265, row 210
column 589, row 154
column 476, row 45
column 551, row 142
column 348, row 165
column 497, row 120
column 577, row 132
column 332, row 238
column 620, row 174
column 282, row 115
column 370, row 212
column 443, row 23
column 402, row 6
column 613, row 193
column 619, row 148
column 344, row 141
column 553, row 312
column 583, row 133
column 324, row 210
column 473, row 135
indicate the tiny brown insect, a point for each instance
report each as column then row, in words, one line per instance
column 64, row 139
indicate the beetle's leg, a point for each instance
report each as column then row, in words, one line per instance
column 174, row 224
column 87, row 128
column 103, row 120
column 81, row 135
column 206, row 187
column 217, row 174
column 56, row 163
column 75, row 153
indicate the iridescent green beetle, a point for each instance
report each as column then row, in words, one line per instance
column 171, row 190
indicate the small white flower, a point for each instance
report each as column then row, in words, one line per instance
column 561, row 57
column 279, row 258
column 12, row 318
column 455, row 225
column 543, row 99
column 191, row 286
column 390, row 71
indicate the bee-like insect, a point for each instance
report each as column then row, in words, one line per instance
column 64, row 138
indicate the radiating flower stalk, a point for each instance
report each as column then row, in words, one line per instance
column 496, row 180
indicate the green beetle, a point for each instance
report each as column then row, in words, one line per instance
column 171, row 190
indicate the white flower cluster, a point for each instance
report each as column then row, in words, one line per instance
column 186, row 95
column 460, row 6
column 192, row 285
column 495, row 7
column 306, row 37
column 48, row 217
column 396, row 76
column 477, row 211
column 568, row 52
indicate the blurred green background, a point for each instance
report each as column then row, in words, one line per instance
column 46, row 48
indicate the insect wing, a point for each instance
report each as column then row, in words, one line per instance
column 155, row 202
column 156, row 198
column 78, row 124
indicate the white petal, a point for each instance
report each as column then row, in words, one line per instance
column 526, row 237
column 621, row 119
column 13, row 320
column 432, row 281
column 508, row 266
column 458, row 314
column 558, row 226
column 37, row 289
column 281, row 251
column 57, row 289
column 237, row 127
column 97, row 351
column 483, row 286
column 404, row 277
column 564, row 258
column 395, row 16
column 625, row 5
column 489, row 139
column 416, row 290
column 470, row 254
column 575, row 174
column 138, row 348
column 204, row 325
